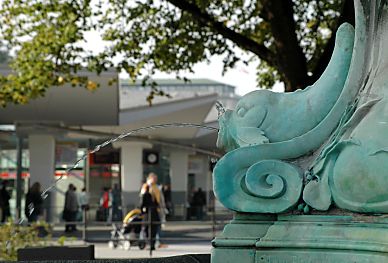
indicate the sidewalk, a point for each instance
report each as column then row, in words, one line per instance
column 103, row 251
column 179, row 237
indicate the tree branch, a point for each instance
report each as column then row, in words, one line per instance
column 240, row 40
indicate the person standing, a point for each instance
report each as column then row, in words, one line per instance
column 167, row 198
column 71, row 209
column 106, row 204
column 83, row 201
column 158, row 197
column 154, row 190
column 4, row 198
column 116, row 203
column 199, row 201
column 149, row 207
column 34, row 201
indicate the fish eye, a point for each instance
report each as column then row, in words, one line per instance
column 241, row 112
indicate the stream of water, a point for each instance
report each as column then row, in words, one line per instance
column 220, row 110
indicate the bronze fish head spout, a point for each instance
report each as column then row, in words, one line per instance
column 242, row 126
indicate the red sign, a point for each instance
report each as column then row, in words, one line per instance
column 72, row 173
column 12, row 175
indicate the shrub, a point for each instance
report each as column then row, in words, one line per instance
column 14, row 236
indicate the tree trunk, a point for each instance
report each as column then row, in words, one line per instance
column 290, row 59
column 347, row 15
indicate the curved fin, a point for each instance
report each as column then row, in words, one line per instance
column 246, row 136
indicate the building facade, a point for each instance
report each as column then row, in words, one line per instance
column 56, row 131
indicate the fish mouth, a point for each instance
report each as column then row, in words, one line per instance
column 225, row 139
column 222, row 133
column 220, row 139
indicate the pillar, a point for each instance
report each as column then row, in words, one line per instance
column 178, row 173
column 204, row 179
column 131, row 168
column 19, row 180
column 42, row 167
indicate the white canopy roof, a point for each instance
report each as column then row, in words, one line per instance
column 69, row 105
column 71, row 109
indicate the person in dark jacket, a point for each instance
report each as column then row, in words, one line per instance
column 149, row 206
column 4, row 201
column 34, row 201
column 167, row 198
column 199, row 201
column 116, row 203
column 71, row 208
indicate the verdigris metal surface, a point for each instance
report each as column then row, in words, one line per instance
column 303, row 238
column 343, row 117
column 322, row 150
column 353, row 170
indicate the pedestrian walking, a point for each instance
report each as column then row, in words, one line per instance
column 116, row 204
column 167, row 198
column 70, row 209
column 5, row 196
column 34, row 202
column 106, row 204
column 199, row 201
column 83, row 201
column 149, row 207
column 157, row 195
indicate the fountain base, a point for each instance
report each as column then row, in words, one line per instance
column 302, row 238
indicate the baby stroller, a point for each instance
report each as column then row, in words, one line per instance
column 130, row 233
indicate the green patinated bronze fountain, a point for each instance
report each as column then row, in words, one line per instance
column 307, row 172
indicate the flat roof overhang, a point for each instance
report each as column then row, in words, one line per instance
column 193, row 110
column 69, row 105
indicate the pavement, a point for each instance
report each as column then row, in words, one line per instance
column 102, row 251
column 178, row 238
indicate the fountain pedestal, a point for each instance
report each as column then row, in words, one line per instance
column 302, row 238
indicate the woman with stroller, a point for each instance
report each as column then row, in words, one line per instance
column 149, row 206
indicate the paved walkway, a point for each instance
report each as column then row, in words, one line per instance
column 172, row 233
column 103, row 251
column 179, row 238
